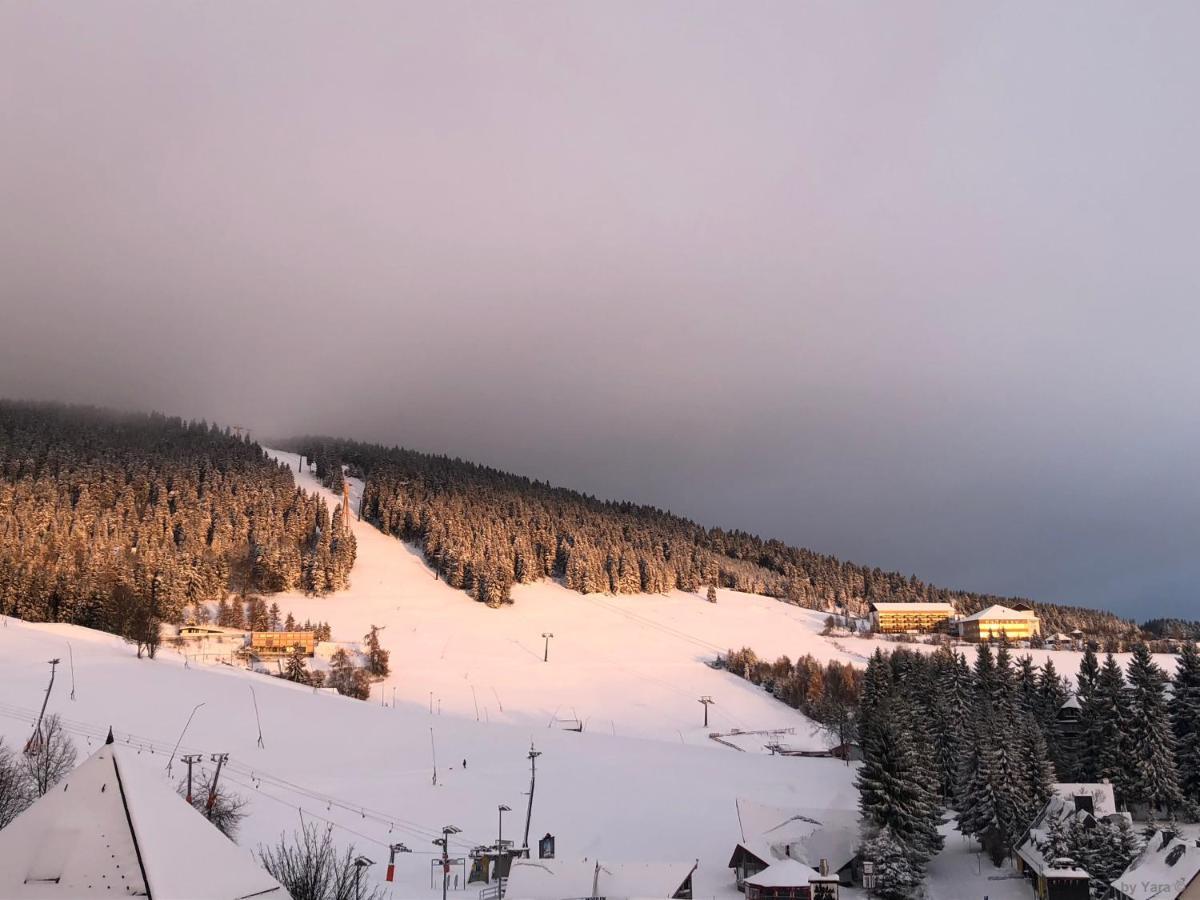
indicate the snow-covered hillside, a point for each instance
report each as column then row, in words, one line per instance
column 369, row 769
column 624, row 665
column 642, row 782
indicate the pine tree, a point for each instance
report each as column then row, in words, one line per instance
column 1153, row 779
column 1185, row 721
column 377, row 657
column 297, row 669
column 893, row 783
column 896, row 875
column 1108, row 721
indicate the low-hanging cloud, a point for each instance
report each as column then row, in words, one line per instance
column 913, row 286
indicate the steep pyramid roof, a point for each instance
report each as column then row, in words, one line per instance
column 113, row 828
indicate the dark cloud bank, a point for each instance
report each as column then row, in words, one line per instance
column 913, row 285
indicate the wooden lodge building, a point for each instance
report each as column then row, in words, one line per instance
column 788, row 879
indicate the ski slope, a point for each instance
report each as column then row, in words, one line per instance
column 369, row 769
column 619, row 665
column 642, row 782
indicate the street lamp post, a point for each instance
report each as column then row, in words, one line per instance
column 500, row 828
column 444, row 843
column 360, row 863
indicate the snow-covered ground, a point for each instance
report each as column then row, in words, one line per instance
column 369, row 769
column 642, row 782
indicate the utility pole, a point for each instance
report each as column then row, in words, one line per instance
column 360, row 863
column 706, row 700
column 546, row 652
column 533, row 755
column 71, row 655
column 191, row 759
column 444, row 843
column 219, row 759
column 433, row 748
column 258, row 721
column 392, row 851
column 35, row 739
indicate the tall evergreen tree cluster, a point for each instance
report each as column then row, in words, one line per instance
column 484, row 530
column 120, row 521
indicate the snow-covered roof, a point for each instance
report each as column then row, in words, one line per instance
column 1072, row 702
column 113, row 828
column 785, row 873
column 1061, row 807
column 1058, row 638
column 553, row 879
column 996, row 611
column 804, row 835
column 946, row 608
column 1162, row 871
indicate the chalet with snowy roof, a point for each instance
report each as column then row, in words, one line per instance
column 824, row 840
column 1168, row 868
column 554, row 879
column 1058, row 878
column 996, row 621
column 905, row 618
column 789, row 879
column 113, row 828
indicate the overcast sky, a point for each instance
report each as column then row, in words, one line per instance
column 912, row 284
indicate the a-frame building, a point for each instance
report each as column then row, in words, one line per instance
column 112, row 828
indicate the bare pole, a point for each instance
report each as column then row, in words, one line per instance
column 546, row 635
column 71, row 656
column 36, row 737
column 261, row 745
column 433, row 748
column 533, row 755
column 706, row 700
column 180, row 741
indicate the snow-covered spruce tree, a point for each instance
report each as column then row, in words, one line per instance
column 1153, row 779
column 1103, row 847
column 711, row 594
column 1107, row 738
column 897, row 877
column 1185, row 721
column 377, row 657
column 1040, row 768
column 947, row 713
column 1052, row 694
column 297, row 669
column 976, row 790
column 1087, row 758
column 894, row 785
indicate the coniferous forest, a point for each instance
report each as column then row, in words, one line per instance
column 485, row 530
column 118, row 521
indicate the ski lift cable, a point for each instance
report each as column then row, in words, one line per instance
column 146, row 744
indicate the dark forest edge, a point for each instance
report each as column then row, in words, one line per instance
column 120, row 521
column 484, row 530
